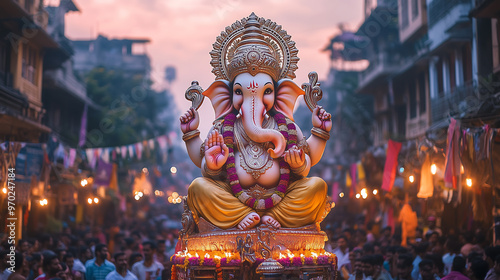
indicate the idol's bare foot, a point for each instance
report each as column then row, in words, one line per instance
column 249, row 221
column 270, row 221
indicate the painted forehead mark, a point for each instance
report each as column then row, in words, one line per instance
column 253, row 86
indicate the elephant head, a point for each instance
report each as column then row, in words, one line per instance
column 254, row 96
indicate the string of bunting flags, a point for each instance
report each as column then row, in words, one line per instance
column 131, row 151
column 29, row 157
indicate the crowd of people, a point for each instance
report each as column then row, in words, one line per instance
column 430, row 255
column 140, row 249
column 133, row 249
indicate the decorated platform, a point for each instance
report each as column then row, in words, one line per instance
column 263, row 251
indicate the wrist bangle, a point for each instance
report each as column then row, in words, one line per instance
column 211, row 172
column 318, row 132
column 190, row 135
column 299, row 169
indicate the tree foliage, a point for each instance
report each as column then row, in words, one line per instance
column 130, row 110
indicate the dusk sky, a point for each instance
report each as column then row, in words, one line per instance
column 182, row 32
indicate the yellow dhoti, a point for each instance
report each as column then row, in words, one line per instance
column 304, row 203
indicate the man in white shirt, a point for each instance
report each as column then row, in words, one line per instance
column 121, row 272
column 148, row 269
column 342, row 251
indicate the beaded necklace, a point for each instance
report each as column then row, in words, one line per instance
column 288, row 130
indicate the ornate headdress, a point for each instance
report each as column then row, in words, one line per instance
column 254, row 45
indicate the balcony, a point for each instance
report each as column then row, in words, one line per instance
column 60, row 82
column 438, row 9
column 449, row 23
column 448, row 104
column 381, row 66
column 417, row 127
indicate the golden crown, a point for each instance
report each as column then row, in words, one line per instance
column 254, row 45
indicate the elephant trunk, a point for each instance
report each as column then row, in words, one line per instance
column 253, row 113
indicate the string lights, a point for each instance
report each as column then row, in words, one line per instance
column 468, row 181
column 175, row 198
column 411, row 178
column 86, row 181
column 138, row 195
column 94, row 200
column 433, row 169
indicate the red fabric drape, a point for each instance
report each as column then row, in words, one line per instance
column 452, row 165
column 391, row 164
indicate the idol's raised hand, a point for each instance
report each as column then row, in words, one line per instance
column 216, row 152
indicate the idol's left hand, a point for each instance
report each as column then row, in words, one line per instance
column 295, row 157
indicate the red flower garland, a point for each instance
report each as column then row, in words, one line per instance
column 174, row 273
column 289, row 131
column 218, row 271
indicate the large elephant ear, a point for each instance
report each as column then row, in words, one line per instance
column 286, row 95
column 220, row 96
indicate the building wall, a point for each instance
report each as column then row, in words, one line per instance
column 417, row 106
column 28, row 78
column 440, row 21
column 412, row 17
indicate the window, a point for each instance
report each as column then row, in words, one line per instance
column 29, row 63
column 422, row 93
column 413, row 100
column 404, row 14
column 401, row 119
column 414, row 9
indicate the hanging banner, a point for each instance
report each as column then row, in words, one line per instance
column 335, row 192
column 123, row 151
column 352, row 171
column 361, row 172
column 391, row 164
column 131, row 151
column 138, row 148
column 103, row 173
column 452, row 163
column 29, row 162
column 72, row 157
column 105, row 155
column 83, row 127
column 426, row 180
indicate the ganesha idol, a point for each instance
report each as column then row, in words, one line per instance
column 255, row 159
